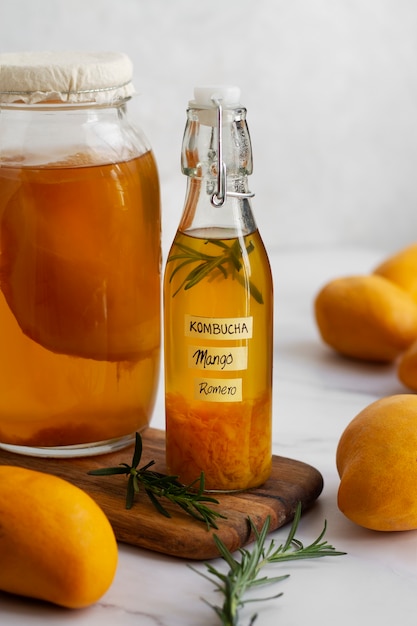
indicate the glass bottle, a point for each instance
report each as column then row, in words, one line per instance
column 218, row 308
column 79, row 256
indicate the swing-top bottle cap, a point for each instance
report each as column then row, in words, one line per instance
column 228, row 95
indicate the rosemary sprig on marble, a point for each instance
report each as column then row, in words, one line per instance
column 228, row 261
column 190, row 498
column 244, row 574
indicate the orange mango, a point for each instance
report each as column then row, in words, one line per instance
column 401, row 269
column 376, row 460
column 366, row 317
column 56, row 544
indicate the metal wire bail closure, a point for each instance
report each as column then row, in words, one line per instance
column 218, row 198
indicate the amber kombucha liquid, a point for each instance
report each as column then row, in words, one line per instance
column 79, row 300
column 218, row 349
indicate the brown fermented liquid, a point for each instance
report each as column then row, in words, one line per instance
column 79, row 300
column 217, row 364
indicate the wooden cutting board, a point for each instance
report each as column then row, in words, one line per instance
column 182, row 536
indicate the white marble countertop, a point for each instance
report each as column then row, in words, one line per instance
column 316, row 395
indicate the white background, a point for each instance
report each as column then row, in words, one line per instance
column 331, row 92
column 330, row 87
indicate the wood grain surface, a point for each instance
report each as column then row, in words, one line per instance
column 291, row 482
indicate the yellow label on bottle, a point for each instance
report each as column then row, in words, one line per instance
column 218, row 328
column 218, row 359
column 218, row 389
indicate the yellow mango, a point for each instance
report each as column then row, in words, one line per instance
column 407, row 367
column 56, row 544
column 377, row 463
column 366, row 317
column 401, row 269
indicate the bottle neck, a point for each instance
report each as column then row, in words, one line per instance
column 217, row 159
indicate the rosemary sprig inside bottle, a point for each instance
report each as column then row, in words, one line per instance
column 228, row 262
column 190, row 498
column 244, row 574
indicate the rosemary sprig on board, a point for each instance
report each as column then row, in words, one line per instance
column 229, row 260
column 190, row 498
column 245, row 574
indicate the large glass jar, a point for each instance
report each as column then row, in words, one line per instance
column 79, row 256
